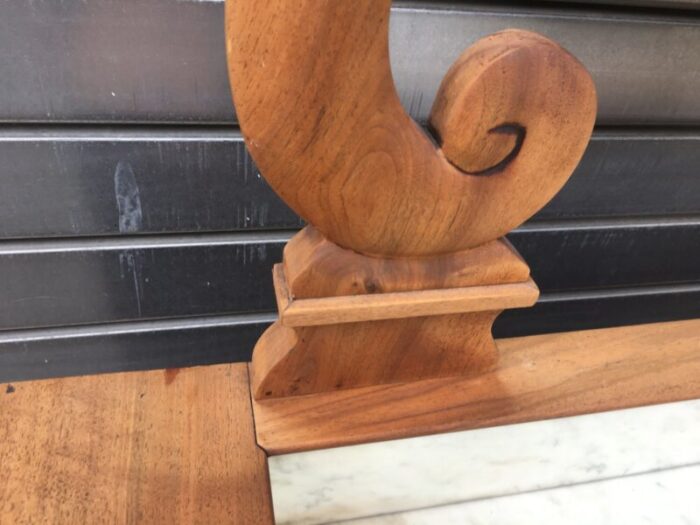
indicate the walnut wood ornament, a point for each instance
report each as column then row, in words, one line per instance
column 402, row 269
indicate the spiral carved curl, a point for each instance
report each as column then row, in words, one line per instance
column 316, row 101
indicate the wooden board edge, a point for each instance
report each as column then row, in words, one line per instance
column 279, row 281
column 267, row 511
column 539, row 377
column 396, row 305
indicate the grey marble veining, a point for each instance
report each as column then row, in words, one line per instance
column 669, row 497
column 393, row 476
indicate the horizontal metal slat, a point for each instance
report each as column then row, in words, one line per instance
column 97, row 181
column 97, row 281
column 46, row 353
column 666, row 4
column 587, row 310
column 94, row 182
column 157, row 60
column 152, row 60
column 42, row 354
column 584, row 256
column 632, row 174
column 72, row 282
column 627, row 55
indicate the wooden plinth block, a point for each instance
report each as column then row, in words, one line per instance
column 365, row 332
column 538, row 377
column 315, row 267
column 408, row 269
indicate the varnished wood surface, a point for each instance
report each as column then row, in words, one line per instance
column 376, row 307
column 317, row 106
column 538, row 377
column 304, row 360
column 173, row 446
column 315, row 267
column 347, row 341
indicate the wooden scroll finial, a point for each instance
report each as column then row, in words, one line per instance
column 402, row 270
column 316, row 101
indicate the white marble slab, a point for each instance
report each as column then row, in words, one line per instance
column 669, row 497
column 365, row 480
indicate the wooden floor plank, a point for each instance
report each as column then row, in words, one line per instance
column 173, row 446
column 538, row 377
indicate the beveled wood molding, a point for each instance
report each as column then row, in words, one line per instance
column 362, row 332
column 378, row 307
column 403, row 267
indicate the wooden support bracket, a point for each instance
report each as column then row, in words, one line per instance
column 403, row 267
column 385, row 321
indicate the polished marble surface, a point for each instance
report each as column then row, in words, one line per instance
column 394, row 476
column 669, row 497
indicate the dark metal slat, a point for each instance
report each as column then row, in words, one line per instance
column 164, row 61
column 70, row 352
column 51, row 283
column 579, row 257
column 66, row 184
column 584, row 311
column 61, row 183
column 60, row 283
column 151, row 345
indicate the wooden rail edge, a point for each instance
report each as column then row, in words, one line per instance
column 538, row 377
column 400, row 305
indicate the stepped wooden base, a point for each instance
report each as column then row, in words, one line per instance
column 348, row 320
column 538, row 377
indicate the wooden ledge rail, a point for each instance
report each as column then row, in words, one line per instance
column 403, row 266
column 315, row 312
column 538, row 377
column 173, row 446
column 398, row 305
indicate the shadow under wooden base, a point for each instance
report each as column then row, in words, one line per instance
column 538, row 377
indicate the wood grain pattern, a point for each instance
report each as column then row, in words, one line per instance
column 315, row 267
column 306, row 360
column 320, row 115
column 400, row 305
column 346, row 341
column 538, row 377
column 173, row 446
column 406, row 228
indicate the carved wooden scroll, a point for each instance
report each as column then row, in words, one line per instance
column 403, row 267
